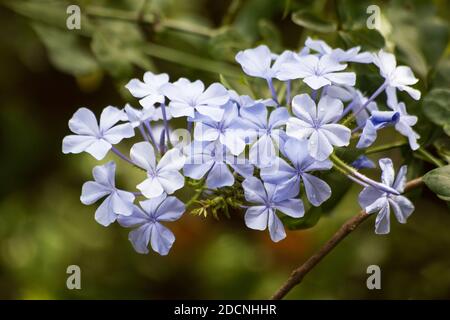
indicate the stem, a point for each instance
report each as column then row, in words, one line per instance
column 386, row 147
column 166, row 124
column 150, row 133
column 352, row 171
column 143, row 134
column 347, row 110
column 350, row 225
column 150, row 19
column 122, row 156
column 288, row 93
column 272, row 90
column 372, row 97
column 428, row 156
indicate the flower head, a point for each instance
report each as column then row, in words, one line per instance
column 188, row 97
column 147, row 218
column 373, row 200
column 317, row 72
column 397, row 77
column 93, row 138
column 350, row 55
column 214, row 161
column 266, row 130
column 117, row 202
column 378, row 120
column 161, row 177
column 266, row 200
column 288, row 177
column 316, row 124
column 150, row 90
column 405, row 123
column 229, row 131
column 257, row 62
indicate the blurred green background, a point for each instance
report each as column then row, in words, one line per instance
column 47, row 72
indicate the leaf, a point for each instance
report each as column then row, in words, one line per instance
column 270, row 34
column 119, row 46
column 226, row 43
column 66, row 51
column 368, row 39
column 312, row 22
column 436, row 107
column 438, row 180
column 309, row 220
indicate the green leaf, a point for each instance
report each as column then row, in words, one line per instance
column 270, row 34
column 438, row 180
column 309, row 220
column 436, row 107
column 65, row 50
column 368, row 39
column 119, row 46
column 312, row 22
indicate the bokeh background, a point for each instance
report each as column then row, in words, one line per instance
column 47, row 72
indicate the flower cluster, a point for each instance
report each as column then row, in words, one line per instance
column 272, row 149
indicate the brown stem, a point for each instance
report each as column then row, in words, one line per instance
column 299, row 273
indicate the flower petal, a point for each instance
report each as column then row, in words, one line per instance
column 276, row 227
column 171, row 181
column 219, row 176
column 84, row 122
column 150, row 188
column 257, row 217
column 171, row 209
column 317, row 190
column 143, row 155
column 140, row 238
column 161, row 239
column 291, row 207
column 319, row 147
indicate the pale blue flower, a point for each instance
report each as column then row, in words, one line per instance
column 214, row 161
column 266, row 200
column 397, row 77
column 93, row 138
column 356, row 99
column 363, row 162
column 373, row 200
column 317, row 72
column 245, row 101
column 161, row 177
column 350, row 55
column 230, row 131
column 116, row 203
column 150, row 90
column 148, row 222
column 257, row 62
column 137, row 117
column 188, row 97
column 266, row 131
column 377, row 121
column 316, row 124
column 288, row 177
column 405, row 123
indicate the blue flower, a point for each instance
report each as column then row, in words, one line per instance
column 229, row 131
column 355, row 98
column 212, row 159
column 316, row 124
column 257, row 62
column 405, row 123
column 150, row 90
column 148, row 222
column 288, row 177
column 397, row 77
column 351, row 55
column 267, row 200
column 373, row 200
column 187, row 97
column 266, row 130
column 378, row 120
column 117, row 202
column 93, row 138
column 161, row 177
column 363, row 162
column 317, row 72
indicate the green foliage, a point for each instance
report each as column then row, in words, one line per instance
column 313, row 22
column 438, row 180
column 436, row 107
